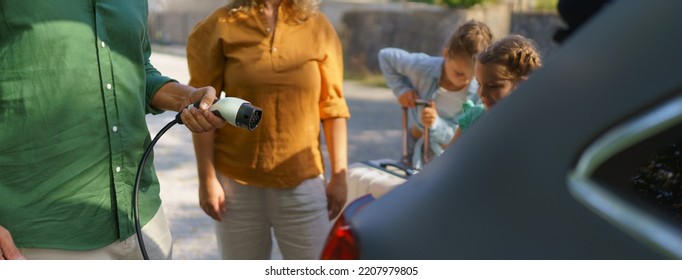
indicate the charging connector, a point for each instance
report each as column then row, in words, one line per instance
column 235, row 111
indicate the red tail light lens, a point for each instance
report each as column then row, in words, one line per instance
column 342, row 243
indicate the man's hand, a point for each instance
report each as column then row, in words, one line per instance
column 408, row 99
column 8, row 251
column 200, row 119
column 337, row 190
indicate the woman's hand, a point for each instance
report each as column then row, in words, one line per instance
column 337, row 190
column 212, row 198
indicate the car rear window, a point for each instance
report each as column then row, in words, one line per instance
column 648, row 173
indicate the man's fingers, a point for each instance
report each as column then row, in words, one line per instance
column 201, row 119
column 215, row 121
column 189, row 120
column 8, row 250
column 208, row 98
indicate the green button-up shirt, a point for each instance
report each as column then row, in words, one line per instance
column 75, row 85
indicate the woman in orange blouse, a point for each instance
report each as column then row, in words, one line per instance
column 284, row 57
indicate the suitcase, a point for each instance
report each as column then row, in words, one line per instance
column 378, row 177
column 375, row 177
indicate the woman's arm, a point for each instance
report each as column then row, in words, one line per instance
column 335, row 133
column 206, row 63
column 333, row 113
column 211, row 193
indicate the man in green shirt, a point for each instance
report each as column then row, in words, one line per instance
column 75, row 85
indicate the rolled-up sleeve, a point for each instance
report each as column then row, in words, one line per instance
column 332, row 103
column 153, row 78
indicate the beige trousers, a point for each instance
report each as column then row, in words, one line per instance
column 157, row 241
column 297, row 217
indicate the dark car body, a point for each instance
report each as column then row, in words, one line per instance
column 524, row 182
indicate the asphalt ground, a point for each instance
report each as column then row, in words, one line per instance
column 373, row 133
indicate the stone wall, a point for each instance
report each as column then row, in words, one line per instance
column 540, row 27
column 172, row 27
column 365, row 27
column 199, row 6
column 365, row 32
column 171, row 21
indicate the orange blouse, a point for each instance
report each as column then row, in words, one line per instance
column 294, row 74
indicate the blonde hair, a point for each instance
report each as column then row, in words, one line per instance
column 297, row 11
column 469, row 40
column 516, row 56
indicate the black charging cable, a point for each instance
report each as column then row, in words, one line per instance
column 136, row 189
column 234, row 111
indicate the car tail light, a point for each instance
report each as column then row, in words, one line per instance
column 342, row 243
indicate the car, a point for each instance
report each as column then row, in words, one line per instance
column 581, row 162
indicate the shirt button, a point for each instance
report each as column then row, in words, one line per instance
column 115, row 128
column 118, row 169
column 261, row 10
column 103, row 45
column 274, row 49
column 267, row 29
column 108, row 86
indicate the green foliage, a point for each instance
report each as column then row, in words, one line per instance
column 461, row 3
column 536, row 4
column 549, row 5
column 452, row 3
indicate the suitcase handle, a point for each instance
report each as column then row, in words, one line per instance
column 397, row 169
column 405, row 160
column 408, row 171
column 427, row 149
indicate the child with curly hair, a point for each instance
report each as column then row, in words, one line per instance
column 499, row 70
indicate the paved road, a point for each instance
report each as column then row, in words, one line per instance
column 373, row 132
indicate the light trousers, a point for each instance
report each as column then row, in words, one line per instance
column 297, row 217
column 156, row 236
